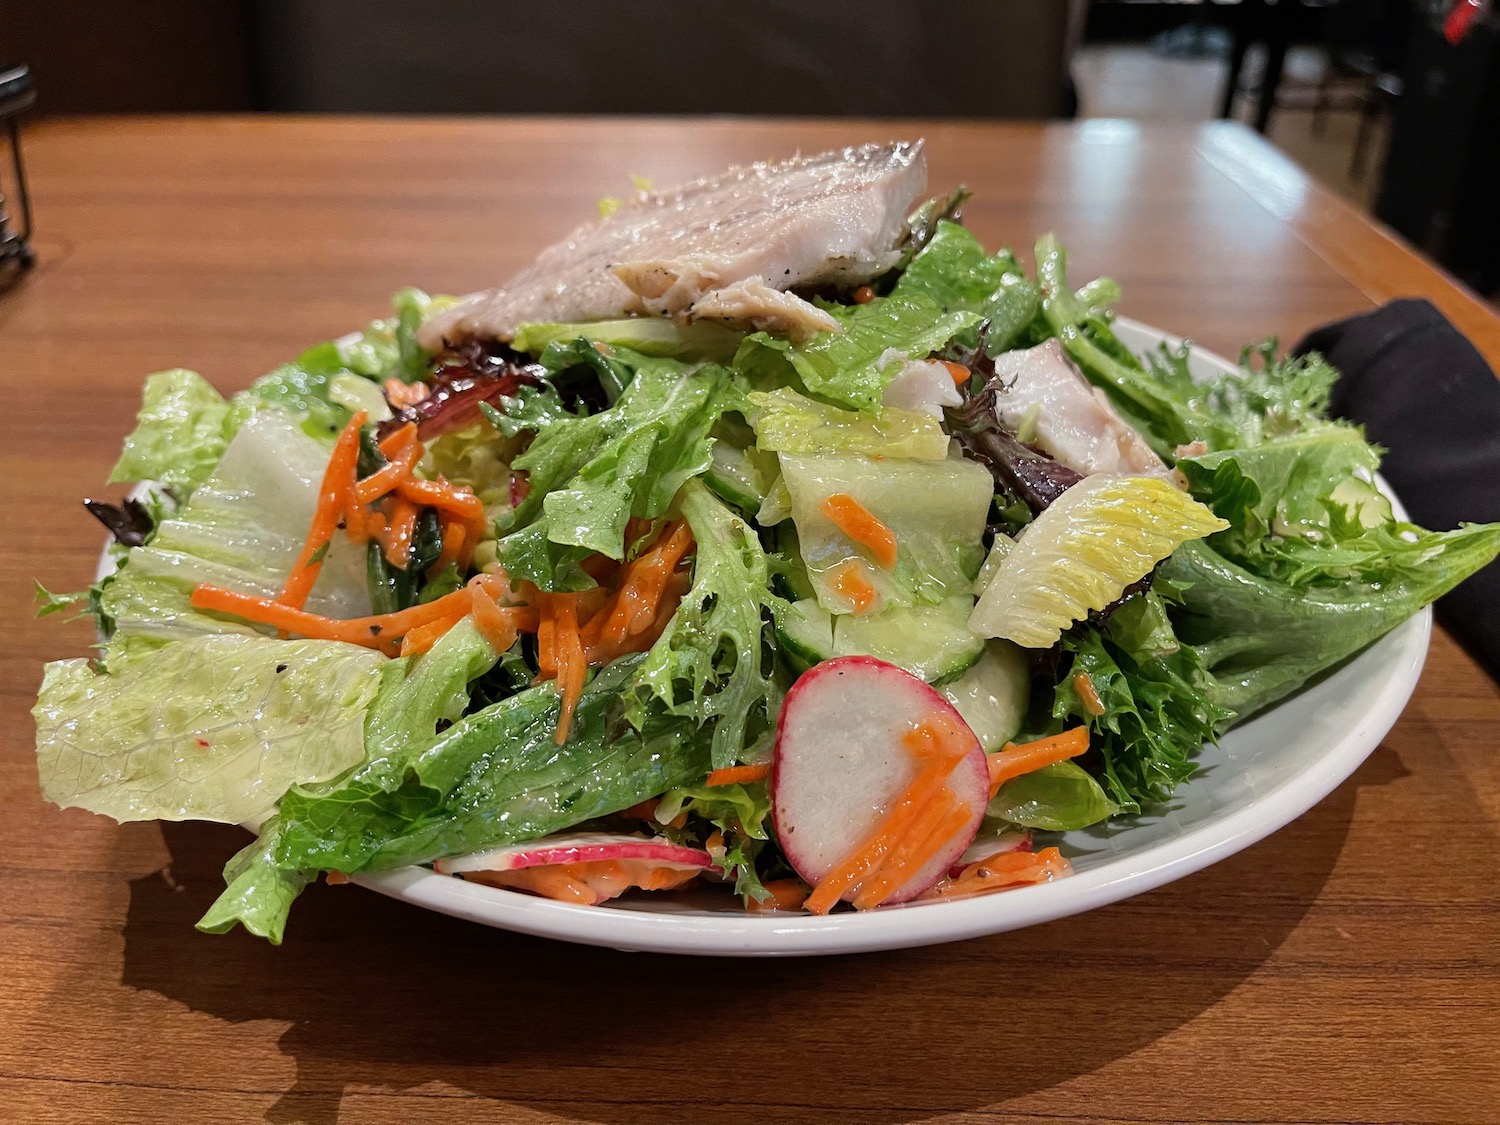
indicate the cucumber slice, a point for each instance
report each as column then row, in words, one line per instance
column 805, row 635
column 935, row 509
column 790, row 580
column 741, row 476
column 993, row 695
column 931, row 642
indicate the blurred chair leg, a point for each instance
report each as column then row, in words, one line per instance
column 1369, row 109
column 1321, row 101
column 1236, row 64
column 1270, row 79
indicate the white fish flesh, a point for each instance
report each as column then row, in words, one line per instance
column 1051, row 405
column 725, row 247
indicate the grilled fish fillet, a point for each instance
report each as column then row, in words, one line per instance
column 726, row 247
column 1072, row 419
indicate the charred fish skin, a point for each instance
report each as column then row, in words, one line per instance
column 759, row 230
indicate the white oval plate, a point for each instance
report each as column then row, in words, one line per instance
column 1263, row 775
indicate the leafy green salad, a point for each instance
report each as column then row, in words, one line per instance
column 857, row 615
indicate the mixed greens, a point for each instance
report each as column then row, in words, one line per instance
column 607, row 551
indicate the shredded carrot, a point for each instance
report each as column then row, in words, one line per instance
column 933, row 747
column 863, row 295
column 336, row 878
column 396, row 540
column 1012, row 869
column 398, row 439
column 786, row 894
column 572, row 665
column 455, row 535
column 856, row 521
column 442, row 495
column 423, row 637
column 1011, row 761
column 389, row 475
column 739, row 775
column 851, row 583
column 1083, row 687
column 398, row 393
column 493, row 623
column 333, row 502
column 371, row 632
column 959, row 373
column 935, row 826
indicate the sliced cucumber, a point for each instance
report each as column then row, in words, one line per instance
column 740, row 473
column 790, row 579
column 805, row 635
column 932, row 642
column 993, row 695
column 935, row 509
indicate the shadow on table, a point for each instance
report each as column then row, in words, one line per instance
column 383, row 997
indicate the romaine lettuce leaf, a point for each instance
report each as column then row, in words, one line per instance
column 954, row 271
column 590, row 474
column 709, row 665
column 209, row 728
column 257, row 893
column 851, row 367
column 181, row 432
column 648, row 335
column 787, row 422
column 496, row 776
column 242, row 529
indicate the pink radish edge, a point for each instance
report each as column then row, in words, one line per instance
column 581, row 848
column 839, row 764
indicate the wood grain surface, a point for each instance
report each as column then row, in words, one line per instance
column 1346, row 969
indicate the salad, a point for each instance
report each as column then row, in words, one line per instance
column 769, row 533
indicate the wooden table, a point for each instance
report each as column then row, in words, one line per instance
column 1346, row 969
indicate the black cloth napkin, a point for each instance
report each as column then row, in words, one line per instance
column 1422, row 391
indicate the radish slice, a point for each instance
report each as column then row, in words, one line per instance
column 578, row 848
column 992, row 844
column 841, row 766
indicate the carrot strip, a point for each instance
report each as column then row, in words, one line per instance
column 333, row 501
column 396, row 542
column 850, row 583
column 370, row 632
column 938, row 824
column 1011, row 761
column 455, row 535
column 786, row 894
column 423, row 637
column 859, row 524
column 1013, row 869
column 572, row 667
column 396, row 440
column 739, row 775
column 494, row 624
column 439, row 494
column 1088, row 695
column 958, row 372
column 398, row 393
column 389, row 475
column 937, row 745
column 546, row 639
column 642, row 585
